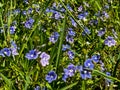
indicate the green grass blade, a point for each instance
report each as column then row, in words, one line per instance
column 7, row 81
column 69, row 86
column 83, row 85
column 104, row 75
column 61, row 41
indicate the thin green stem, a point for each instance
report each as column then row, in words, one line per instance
column 61, row 41
column 83, row 85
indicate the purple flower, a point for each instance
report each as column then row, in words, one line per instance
column 62, row 10
column 65, row 47
column 26, row 2
column 105, row 14
column 29, row 23
column 14, row 51
column 37, row 10
column 108, row 74
column 73, row 22
column 80, row 8
column 24, row 12
column 12, row 29
column 6, row 51
column 54, row 37
column 37, row 88
column 109, row 41
column 64, row 77
column 14, row 48
column 40, row 88
column 83, row 16
column 69, row 39
column 89, row 64
column 84, row 73
column 70, row 70
column 86, row 31
column 16, row 11
column 1, row 53
column 57, row 15
column 29, row 10
column 69, row 8
column 96, row 58
column 71, row 33
column 71, row 54
column 101, row 32
column 93, row 22
column 44, row 59
column 108, row 81
column 33, row 54
column 51, row 76
column 102, row 66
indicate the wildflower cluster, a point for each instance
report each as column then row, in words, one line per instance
column 46, row 44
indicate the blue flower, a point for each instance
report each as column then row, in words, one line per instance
column 29, row 23
column 71, row 54
column 101, row 32
column 109, row 41
column 33, row 54
column 57, row 15
column 108, row 81
column 40, row 88
column 70, row 70
column 102, row 66
column 80, row 8
column 29, row 10
column 96, row 58
column 51, row 76
column 65, row 47
column 108, row 74
column 54, row 37
column 69, row 8
column 105, row 14
column 93, row 22
column 86, row 31
column 14, row 48
column 44, row 59
column 1, row 53
column 82, row 16
column 26, row 1
column 16, row 11
column 64, row 77
column 84, row 73
column 73, row 22
column 12, row 29
column 89, row 64
column 69, row 39
column 6, row 51
column 37, row 88
column 24, row 12
column 71, row 33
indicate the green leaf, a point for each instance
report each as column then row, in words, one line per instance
column 1, row 4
